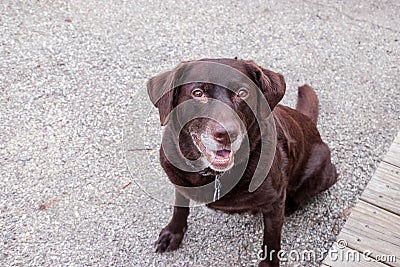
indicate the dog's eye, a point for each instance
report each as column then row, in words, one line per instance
column 197, row 92
column 243, row 93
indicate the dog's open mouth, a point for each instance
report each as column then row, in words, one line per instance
column 219, row 160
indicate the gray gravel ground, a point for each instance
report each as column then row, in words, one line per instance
column 71, row 71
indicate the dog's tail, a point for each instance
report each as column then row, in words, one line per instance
column 307, row 102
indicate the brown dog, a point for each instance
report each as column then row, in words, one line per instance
column 226, row 137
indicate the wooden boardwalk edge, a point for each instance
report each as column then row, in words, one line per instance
column 371, row 234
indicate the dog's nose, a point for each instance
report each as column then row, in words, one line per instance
column 225, row 135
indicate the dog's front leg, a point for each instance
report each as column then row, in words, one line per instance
column 273, row 222
column 171, row 236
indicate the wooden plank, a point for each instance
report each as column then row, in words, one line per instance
column 347, row 257
column 397, row 138
column 393, row 155
column 374, row 224
column 384, row 188
column 373, row 229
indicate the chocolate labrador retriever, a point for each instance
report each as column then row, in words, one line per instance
column 216, row 125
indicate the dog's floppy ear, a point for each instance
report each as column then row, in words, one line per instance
column 160, row 91
column 272, row 84
column 162, row 88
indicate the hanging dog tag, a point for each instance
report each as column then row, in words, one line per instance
column 217, row 188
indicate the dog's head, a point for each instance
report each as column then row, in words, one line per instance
column 223, row 100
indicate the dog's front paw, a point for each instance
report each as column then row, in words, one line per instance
column 168, row 240
column 268, row 264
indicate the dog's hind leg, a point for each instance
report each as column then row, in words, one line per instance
column 318, row 176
